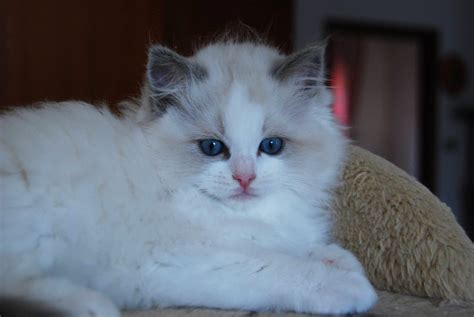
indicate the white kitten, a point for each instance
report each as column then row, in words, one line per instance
column 213, row 192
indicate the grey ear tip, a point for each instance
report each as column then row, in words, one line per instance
column 319, row 48
column 325, row 42
column 157, row 54
column 158, row 49
column 154, row 48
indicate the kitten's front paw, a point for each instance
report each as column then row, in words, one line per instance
column 341, row 293
column 337, row 257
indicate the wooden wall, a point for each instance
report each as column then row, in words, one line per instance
column 96, row 50
column 75, row 49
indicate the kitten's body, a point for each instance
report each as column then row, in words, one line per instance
column 130, row 208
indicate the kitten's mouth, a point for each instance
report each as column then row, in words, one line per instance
column 243, row 196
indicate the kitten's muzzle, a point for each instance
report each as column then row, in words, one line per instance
column 244, row 180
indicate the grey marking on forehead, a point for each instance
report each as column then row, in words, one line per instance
column 220, row 124
column 256, row 92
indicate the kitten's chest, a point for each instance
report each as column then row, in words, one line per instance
column 289, row 225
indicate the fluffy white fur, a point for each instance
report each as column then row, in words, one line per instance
column 100, row 213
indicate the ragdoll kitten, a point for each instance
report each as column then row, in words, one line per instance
column 210, row 191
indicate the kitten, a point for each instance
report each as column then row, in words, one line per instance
column 211, row 191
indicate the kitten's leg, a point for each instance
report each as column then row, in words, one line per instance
column 66, row 298
column 261, row 280
column 336, row 256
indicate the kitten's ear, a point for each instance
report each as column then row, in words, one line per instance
column 167, row 70
column 305, row 68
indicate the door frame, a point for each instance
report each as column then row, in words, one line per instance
column 427, row 39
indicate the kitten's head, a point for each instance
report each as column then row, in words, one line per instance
column 240, row 121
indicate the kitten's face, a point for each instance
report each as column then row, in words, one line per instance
column 245, row 123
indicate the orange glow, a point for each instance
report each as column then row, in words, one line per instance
column 340, row 90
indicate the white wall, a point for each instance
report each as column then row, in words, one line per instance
column 454, row 19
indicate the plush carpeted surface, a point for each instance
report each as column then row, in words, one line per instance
column 389, row 304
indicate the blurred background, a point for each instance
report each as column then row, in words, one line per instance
column 402, row 71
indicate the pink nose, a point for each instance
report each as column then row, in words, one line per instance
column 244, row 179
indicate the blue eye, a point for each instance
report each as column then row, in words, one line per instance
column 271, row 146
column 211, row 147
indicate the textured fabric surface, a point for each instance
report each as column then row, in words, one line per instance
column 389, row 304
column 408, row 241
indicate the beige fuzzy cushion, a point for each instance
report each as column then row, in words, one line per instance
column 408, row 241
